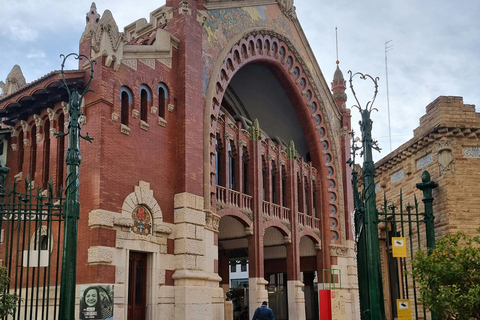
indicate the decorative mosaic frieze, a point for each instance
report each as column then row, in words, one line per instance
column 397, row 176
column 471, row 152
column 142, row 220
column 424, row 161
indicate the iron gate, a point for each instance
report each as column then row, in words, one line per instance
column 403, row 230
column 31, row 246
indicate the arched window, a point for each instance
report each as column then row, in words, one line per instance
column 162, row 90
column 60, row 151
column 145, row 97
column 264, row 179
column 46, row 153
column 284, row 186
column 218, row 161
column 300, row 201
column 273, row 171
column 127, row 100
column 21, row 152
column 231, row 166
column 245, row 170
column 33, row 152
column 305, row 197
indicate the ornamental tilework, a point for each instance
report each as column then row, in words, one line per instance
column 397, row 176
column 471, row 152
column 426, row 160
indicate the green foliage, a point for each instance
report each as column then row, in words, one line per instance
column 449, row 278
column 8, row 301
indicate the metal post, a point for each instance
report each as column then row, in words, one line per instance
column 371, row 254
column 427, row 186
column 72, row 205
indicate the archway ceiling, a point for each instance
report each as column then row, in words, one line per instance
column 263, row 96
column 230, row 228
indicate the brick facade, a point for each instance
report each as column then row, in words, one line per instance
column 162, row 137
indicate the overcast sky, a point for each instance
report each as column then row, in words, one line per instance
column 436, row 47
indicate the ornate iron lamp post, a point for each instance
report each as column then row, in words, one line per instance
column 72, row 205
column 366, row 215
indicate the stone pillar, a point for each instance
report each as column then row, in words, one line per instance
column 228, row 314
column 198, row 295
column 257, row 293
column 296, row 300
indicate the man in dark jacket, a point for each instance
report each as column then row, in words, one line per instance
column 263, row 313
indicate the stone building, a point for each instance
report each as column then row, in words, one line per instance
column 445, row 144
column 217, row 139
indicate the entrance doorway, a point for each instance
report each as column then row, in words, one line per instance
column 137, row 286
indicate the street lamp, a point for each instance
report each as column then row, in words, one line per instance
column 72, row 205
column 366, row 215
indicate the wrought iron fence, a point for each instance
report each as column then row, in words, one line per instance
column 406, row 225
column 31, row 245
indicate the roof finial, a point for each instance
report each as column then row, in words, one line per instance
column 336, row 43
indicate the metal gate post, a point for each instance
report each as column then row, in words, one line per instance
column 427, row 186
column 72, row 205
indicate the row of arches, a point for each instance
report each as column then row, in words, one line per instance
column 146, row 100
column 38, row 132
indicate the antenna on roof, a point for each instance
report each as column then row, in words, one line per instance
column 336, row 42
column 388, row 48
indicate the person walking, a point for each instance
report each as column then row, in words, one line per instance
column 263, row 312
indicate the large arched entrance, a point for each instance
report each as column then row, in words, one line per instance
column 272, row 163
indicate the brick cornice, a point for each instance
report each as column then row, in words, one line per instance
column 412, row 146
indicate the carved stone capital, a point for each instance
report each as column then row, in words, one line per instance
column 38, row 120
column 65, row 107
column 249, row 231
column 25, row 126
column 212, row 221
column 338, row 251
column 135, row 113
column 51, row 114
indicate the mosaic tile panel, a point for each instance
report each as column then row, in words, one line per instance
column 471, row 152
column 424, row 161
column 397, row 176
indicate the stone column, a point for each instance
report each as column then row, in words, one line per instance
column 296, row 300
column 198, row 295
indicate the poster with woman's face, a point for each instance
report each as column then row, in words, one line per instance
column 96, row 302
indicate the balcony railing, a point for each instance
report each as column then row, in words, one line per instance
column 234, row 198
column 275, row 211
column 308, row 221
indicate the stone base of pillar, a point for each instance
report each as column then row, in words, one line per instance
column 296, row 300
column 228, row 310
column 347, row 265
column 198, row 297
column 197, row 291
column 257, row 293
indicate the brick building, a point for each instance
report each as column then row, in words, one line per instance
column 446, row 145
column 217, row 139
